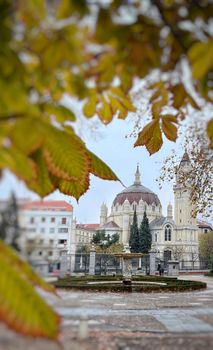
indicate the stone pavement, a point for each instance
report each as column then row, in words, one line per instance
column 121, row 321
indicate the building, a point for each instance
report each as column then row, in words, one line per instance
column 84, row 233
column 173, row 236
column 204, row 227
column 47, row 229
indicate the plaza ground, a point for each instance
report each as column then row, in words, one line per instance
column 122, row 321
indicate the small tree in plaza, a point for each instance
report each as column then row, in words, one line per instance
column 206, row 247
column 103, row 240
column 134, row 235
column 145, row 237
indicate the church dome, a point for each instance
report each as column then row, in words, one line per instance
column 137, row 192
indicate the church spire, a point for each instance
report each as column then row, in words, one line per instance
column 137, row 176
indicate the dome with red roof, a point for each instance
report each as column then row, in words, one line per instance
column 137, row 192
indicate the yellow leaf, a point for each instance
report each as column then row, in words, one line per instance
column 115, row 104
column 155, row 143
column 24, row 269
column 72, row 188
column 169, row 129
column 179, row 95
column 105, row 112
column 89, row 108
column 210, row 132
column 21, row 308
column 123, row 114
column 151, row 137
column 146, row 134
column 18, row 163
column 201, row 57
column 128, row 104
column 170, row 118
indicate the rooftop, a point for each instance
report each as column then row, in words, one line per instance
column 48, row 206
column 87, row 226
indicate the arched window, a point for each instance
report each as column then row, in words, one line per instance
column 153, row 208
column 156, row 237
column 134, row 207
column 168, row 233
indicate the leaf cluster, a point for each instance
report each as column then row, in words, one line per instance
column 21, row 307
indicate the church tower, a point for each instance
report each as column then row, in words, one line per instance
column 103, row 214
column 183, row 205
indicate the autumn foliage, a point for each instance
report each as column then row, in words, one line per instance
column 92, row 51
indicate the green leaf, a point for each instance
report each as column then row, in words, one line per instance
column 27, row 135
column 100, row 169
column 61, row 113
column 21, row 308
column 65, row 155
column 42, row 184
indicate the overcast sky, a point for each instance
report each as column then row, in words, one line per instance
column 111, row 145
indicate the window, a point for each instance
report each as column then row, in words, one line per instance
column 41, row 241
column 63, row 230
column 63, row 221
column 52, row 220
column 205, row 230
column 156, row 237
column 180, row 210
column 31, row 229
column 42, row 230
column 32, row 220
column 153, row 208
column 51, row 241
column 50, row 253
column 134, row 206
column 52, row 230
column 43, row 219
column 168, row 233
column 40, row 253
column 62, row 241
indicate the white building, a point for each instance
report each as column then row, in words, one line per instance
column 47, row 229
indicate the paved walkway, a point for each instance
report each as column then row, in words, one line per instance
column 120, row 321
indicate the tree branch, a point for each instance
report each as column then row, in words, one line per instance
column 11, row 116
column 174, row 32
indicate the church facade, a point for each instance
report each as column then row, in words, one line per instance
column 173, row 236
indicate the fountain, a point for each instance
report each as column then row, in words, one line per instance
column 127, row 257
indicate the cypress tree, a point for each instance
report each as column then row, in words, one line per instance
column 134, row 235
column 145, row 237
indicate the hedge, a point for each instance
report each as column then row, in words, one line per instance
column 172, row 284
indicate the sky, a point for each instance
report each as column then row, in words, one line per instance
column 114, row 148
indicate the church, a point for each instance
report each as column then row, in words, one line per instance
column 174, row 236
